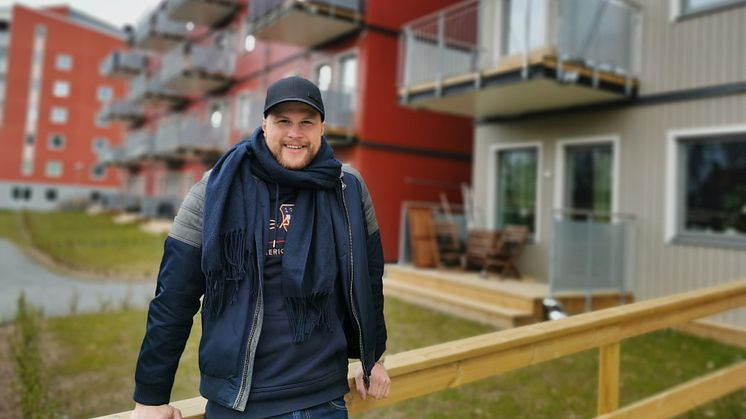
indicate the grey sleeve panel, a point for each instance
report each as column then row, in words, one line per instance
column 370, row 212
column 187, row 225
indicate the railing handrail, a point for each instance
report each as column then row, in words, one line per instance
column 454, row 363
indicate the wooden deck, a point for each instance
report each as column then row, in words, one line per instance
column 500, row 302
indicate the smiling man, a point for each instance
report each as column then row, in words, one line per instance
column 282, row 243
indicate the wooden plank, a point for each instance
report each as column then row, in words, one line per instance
column 608, row 378
column 723, row 333
column 193, row 408
column 687, row 396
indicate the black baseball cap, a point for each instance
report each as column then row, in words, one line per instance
column 294, row 89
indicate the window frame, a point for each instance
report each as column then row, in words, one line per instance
column 680, row 11
column 493, row 170
column 60, row 83
column 62, row 67
column 49, row 164
column 560, row 180
column 50, row 146
column 674, row 232
column 52, row 113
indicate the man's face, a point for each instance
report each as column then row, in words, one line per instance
column 293, row 132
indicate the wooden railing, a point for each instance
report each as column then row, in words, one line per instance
column 426, row 370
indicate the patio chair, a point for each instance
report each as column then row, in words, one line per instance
column 480, row 244
column 508, row 249
column 447, row 243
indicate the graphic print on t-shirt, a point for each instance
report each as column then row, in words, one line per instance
column 277, row 232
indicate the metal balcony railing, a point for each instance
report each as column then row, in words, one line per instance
column 260, row 8
column 178, row 133
column 204, row 12
column 155, row 31
column 139, row 145
column 111, row 155
column 168, row 135
column 468, row 37
column 145, row 88
column 197, row 62
column 124, row 110
column 124, row 64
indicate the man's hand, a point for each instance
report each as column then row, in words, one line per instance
column 380, row 383
column 163, row 411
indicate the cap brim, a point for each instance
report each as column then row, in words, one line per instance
column 307, row 102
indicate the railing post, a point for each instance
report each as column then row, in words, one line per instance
column 608, row 378
column 441, row 49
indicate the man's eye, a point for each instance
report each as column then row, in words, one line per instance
column 306, row 123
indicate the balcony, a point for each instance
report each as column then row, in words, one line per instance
column 124, row 64
column 111, row 156
column 203, row 12
column 305, row 23
column 123, row 110
column 197, row 69
column 139, row 146
column 151, row 91
column 181, row 136
column 484, row 58
column 156, row 32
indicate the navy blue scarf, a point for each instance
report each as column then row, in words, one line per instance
column 233, row 213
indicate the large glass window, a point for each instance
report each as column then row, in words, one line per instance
column 516, row 187
column 588, row 175
column 323, row 76
column 712, row 190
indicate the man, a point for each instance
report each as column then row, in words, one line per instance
column 283, row 244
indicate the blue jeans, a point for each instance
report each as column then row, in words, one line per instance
column 335, row 409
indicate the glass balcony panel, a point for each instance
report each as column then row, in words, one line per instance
column 197, row 69
column 123, row 64
column 157, row 32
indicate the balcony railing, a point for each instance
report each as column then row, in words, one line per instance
column 472, row 41
column 124, row 64
column 197, row 69
column 151, row 90
column 180, row 134
column 122, row 110
column 304, row 22
column 139, row 146
column 111, row 155
column 156, row 32
column 204, row 12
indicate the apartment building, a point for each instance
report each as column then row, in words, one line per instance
column 198, row 71
column 50, row 94
column 615, row 130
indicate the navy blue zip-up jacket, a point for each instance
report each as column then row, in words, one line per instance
column 228, row 344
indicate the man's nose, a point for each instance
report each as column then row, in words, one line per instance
column 295, row 131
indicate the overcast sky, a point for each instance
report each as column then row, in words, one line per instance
column 116, row 12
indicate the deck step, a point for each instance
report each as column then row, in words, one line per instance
column 487, row 313
column 504, row 293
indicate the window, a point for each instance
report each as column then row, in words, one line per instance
column 104, row 93
column 32, row 115
column 249, row 43
column 53, row 169
column 324, row 76
column 100, row 120
column 56, row 142
column 587, row 171
column 51, row 194
column 243, row 112
column 58, row 115
column 61, row 88
column 696, row 6
column 16, row 193
column 100, row 144
column 98, row 171
column 519, row 14
column 348, row 73
column 710, row 195
column 63, row 62
column 30, row 139
column 515, row 186
column 216, row 116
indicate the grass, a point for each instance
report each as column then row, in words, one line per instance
column 90, row 244
column 92, row 358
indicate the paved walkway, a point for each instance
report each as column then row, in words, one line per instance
column 57, row 294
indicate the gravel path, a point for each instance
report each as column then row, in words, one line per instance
column 58, row 294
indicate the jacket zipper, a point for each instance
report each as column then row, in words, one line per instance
column 256, row 330
column 366, row 378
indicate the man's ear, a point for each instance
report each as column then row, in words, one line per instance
column 264, row 126
column 323, row 125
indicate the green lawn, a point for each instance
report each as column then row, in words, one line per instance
column 92, row 357
column 92, row 244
